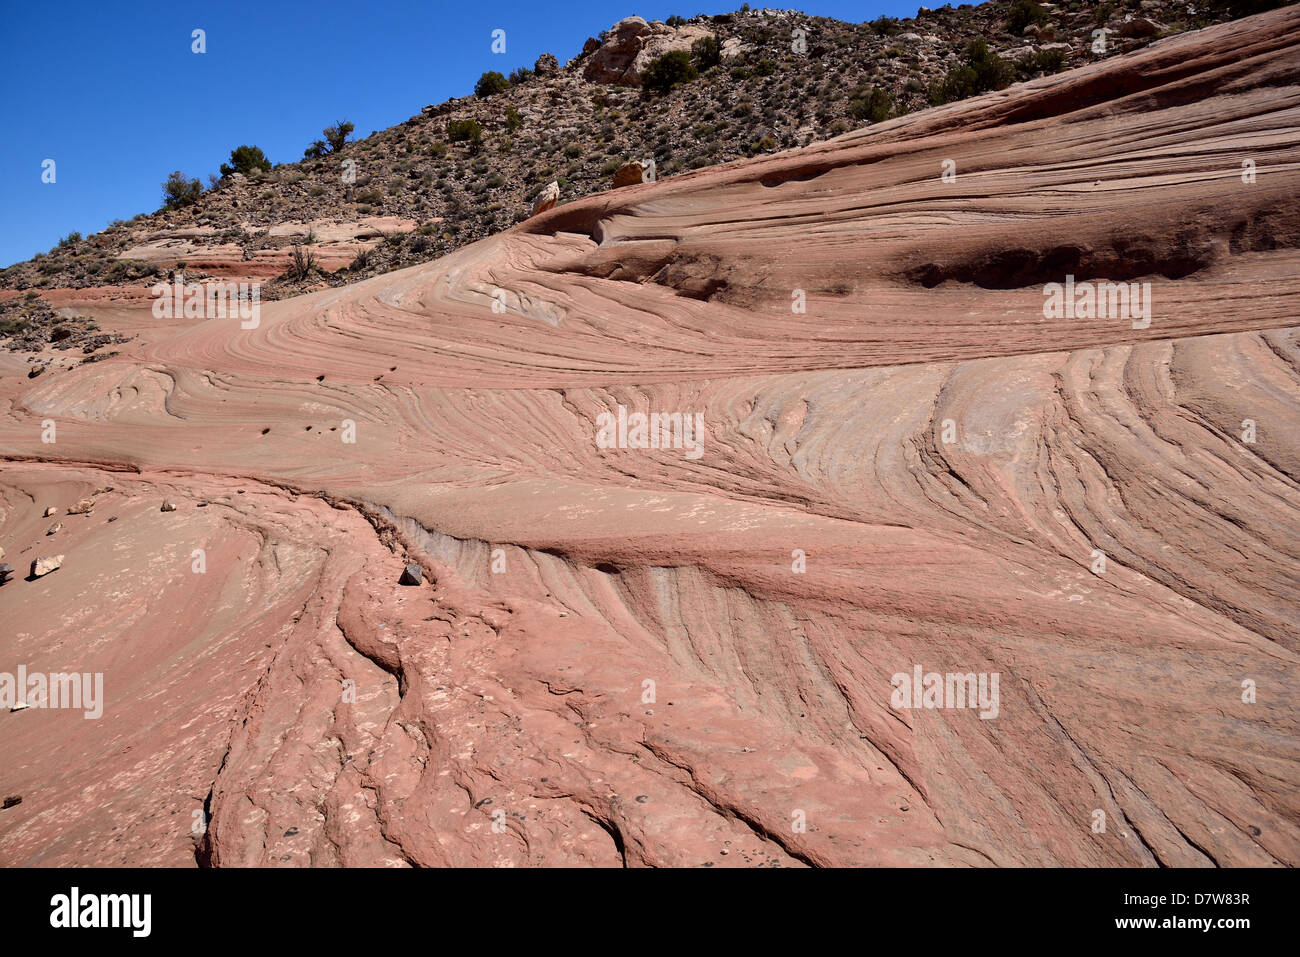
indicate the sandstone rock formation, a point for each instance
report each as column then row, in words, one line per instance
column 632, row 656
column 631, row 45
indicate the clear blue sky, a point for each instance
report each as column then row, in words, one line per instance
column 113, row 94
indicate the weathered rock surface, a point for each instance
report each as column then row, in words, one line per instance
column 635, row 657
column 46, row 564
column 631, row 45
column 547, row 198
column 630, row 173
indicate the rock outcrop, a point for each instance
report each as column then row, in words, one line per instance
column 911, row 459
column 632, row 44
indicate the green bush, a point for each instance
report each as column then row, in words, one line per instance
column 676, row 21
column 706, row 53
column 667, row 71
column 489, row 83
column 764, row 68
column 245, row 159
column 982, row 71
column 521, row 75
column 337, row 135
column 513, row 119
column 874, row 105
column 460, row 131
column 180, row 190
column 1023, row 13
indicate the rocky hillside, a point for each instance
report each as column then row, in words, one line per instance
column 471, row 166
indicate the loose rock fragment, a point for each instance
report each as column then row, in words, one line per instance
column 168, row 507
column 45, row 565
column 547, row 198
column 413, row 574
column 11, row 800
column 630, row 173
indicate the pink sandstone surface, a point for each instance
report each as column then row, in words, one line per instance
column 500, row 717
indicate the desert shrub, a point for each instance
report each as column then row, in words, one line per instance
column 438, row 149
column 885, row 26
column 180, row 190
column 982, row 71
column 676, row 21
column 873, row 104
column 371, row 196
column 706, row 53
column 302, row 262
column 245, row 159
column 489, row 83
column 1023, row 13
column 1050, row 61
column 667, row 71
column 513, row 119
column 460, row 131
column 764, row 68
column 521, row 75
column 337, row 135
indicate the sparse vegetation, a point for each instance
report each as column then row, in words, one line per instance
column 461, row 131
column 245, row 159
column 302, row 263
column 541, row 128
column 982, row 71
column 180, row 190
column 706, row 53
column 874, row 105
column 667, row 71
column 489, row 83
column 1023, row 13
column 337, row 135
